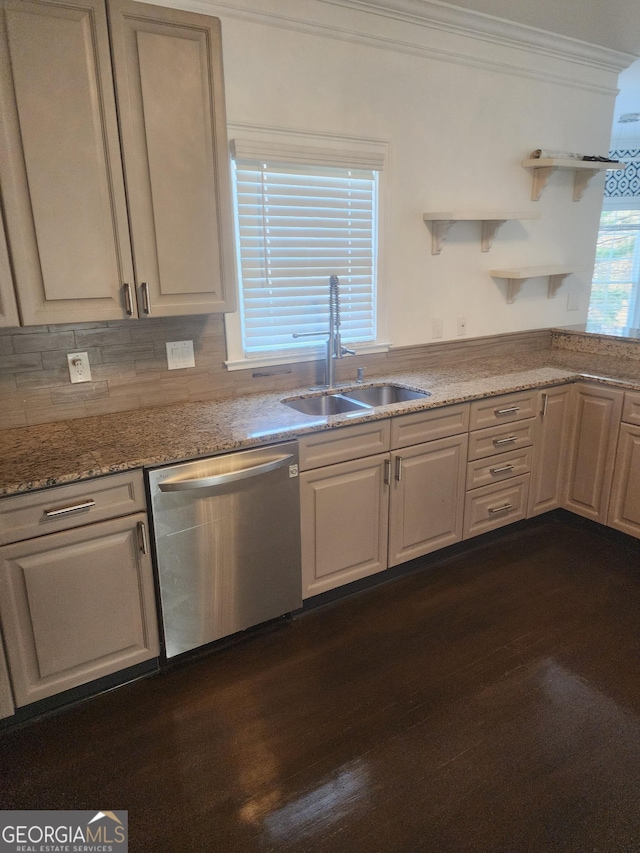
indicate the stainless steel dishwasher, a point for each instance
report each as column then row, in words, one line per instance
column 227, row 537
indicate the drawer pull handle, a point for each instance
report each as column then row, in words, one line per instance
column 504, row 508
column 501, row 470
column 65, row 510
column 142, row 537
column 508, row 411
column 509, row 440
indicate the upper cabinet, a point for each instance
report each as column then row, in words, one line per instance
column 8, row 307
column 65, row 188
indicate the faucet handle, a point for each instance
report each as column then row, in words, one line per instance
column 346, row 351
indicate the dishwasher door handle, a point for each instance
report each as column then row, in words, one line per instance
column 223, row 479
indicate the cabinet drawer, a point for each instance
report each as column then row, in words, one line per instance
column 483, row 472
column 495, row 440
column 343, row 444
column 631, row 410
column 64, row 507
column 504, row 409
column 494, row 506
column 429, row 425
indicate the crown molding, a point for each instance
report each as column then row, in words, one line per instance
column 434, row 13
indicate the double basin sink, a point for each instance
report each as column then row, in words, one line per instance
column 354, row 400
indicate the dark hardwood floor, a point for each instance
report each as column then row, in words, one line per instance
column 488, row 703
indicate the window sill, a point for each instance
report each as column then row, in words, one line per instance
column 315, row 354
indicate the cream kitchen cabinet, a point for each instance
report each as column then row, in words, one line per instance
column 624, row 507
column 548, row 472
column 362, row 515
column 8, row 306
column 6, row 696
column 592, row 449
column 427, row 497
column 68, row 194
column 78, row 603
column 501, row 441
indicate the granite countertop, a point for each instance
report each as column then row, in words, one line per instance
column 50, row 454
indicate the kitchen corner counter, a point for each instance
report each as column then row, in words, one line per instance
column 51, row 454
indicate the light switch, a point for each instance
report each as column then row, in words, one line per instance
column 180, row 355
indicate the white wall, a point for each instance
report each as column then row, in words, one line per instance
column 459, row 114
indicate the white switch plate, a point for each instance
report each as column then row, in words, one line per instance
column 573, row 301
column 462, row 325
column 79, row 370
column 180, row 355
column 436, row 327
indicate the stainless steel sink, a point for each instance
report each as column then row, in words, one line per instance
column 327, row 404
column 353, row 400
column 383, row 395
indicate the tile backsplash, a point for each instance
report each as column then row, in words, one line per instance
column 129, row 366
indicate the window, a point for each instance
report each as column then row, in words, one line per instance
column 616, row 279
column 302, row 215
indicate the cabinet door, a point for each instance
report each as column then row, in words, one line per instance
column 76, row 606
column 624, row 510
column 60, row 165
column 344, row 510
column 169, row 86
column 547, row 481
column 8, row 307
column 427, row 498
column 6, row 697
column 596, row 419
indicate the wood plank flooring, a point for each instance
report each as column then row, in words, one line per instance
column 488, row 703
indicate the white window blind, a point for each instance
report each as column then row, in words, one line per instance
column 298, row 224
column 615, row 298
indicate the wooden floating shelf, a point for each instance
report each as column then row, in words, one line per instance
column 584, row 170
column 517, row 276
column 441, row 222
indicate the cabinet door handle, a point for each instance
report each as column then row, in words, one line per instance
column 128, row 299
column 146, row 302
column 509, row 440
column 508, row 411
column 501, row 470
column 545, row 404
column 142, row 537
column 503, row 508
column 65, row 510
column 387, row 472
column 398, row 468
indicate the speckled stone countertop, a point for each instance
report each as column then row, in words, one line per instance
column 50, row 454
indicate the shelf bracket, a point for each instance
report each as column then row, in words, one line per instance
column 490, row 228
column 514, row 286
column 439, row 230
column 555, row 283
column 540, row 177
column 581, row 181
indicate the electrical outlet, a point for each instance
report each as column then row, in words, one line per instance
column 180, row 355
column 573, row 301
column 462, row 325
column 436, row 327
column 79, row 370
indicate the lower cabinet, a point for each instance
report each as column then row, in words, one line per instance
column 427, row 497
column 592, row 442
column 79, row 603
column 6, row 696
column 624, row 508
column 361, row 516
column 344, row 510
column 548, row 470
